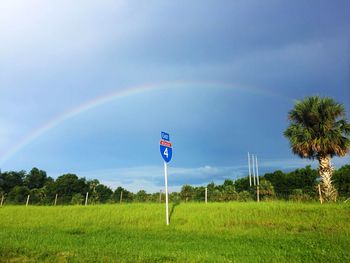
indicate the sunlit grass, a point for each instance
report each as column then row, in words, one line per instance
column 216, row 232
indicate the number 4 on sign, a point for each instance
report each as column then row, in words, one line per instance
column 166, row 153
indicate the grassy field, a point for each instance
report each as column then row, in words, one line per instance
column 216, row 232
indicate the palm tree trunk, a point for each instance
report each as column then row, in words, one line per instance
column 326, row 172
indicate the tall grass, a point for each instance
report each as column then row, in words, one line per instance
column 216, row 232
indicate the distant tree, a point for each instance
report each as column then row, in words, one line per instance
column 242, row 184
column 285, row 183
column 37, row 195
column 299, row 195
column 304, row 178
column 280, row 182
column 211, row 187
column 69, row 184
column 187, row 193
column 104, row 193
column 216, row 195
column 244, row 196
column 319, row 130
column 35, row 179
column 93, row 195
column 141, row 196
column 8, row 180
column 18, row 194
column 199, row 193
column 228, row 182
column 229, row 193
column 127, row 195
column 77, row 199
column 51, row 191
column 174, row 197
column 266, row 190
column 341, row 181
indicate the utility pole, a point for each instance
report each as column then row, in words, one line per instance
column 250, row 175
column 253, row 169
column 257, row 169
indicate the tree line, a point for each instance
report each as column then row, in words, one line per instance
column 298, row 185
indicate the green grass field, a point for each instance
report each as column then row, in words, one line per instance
column 216, row 232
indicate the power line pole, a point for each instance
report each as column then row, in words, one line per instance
column 250, row 176
column 253, row 170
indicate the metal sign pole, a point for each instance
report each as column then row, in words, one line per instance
column 166, row 192
column 257, row 179
column 166, row 152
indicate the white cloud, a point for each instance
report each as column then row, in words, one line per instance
column 151, row 178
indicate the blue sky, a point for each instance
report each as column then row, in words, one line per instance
column 221, row 78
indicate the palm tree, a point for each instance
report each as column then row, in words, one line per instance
column 319, row 130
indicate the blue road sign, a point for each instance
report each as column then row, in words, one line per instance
column 166, row 148
column 166, row 153
column 165, row 136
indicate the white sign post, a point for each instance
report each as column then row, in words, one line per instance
column 166, row 192
column 166, row 152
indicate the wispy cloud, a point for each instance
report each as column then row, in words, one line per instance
column 151, row 178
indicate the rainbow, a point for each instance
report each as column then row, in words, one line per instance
column 116, row 95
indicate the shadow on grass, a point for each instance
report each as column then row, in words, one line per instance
column 172, row 210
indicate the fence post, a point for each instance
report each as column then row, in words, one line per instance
column 121, row 197
column 206, row 195
column 2, row 200
column 56, row 199
column 86, row 198
column 27, row 200
column 320, row 194
column 257, row 194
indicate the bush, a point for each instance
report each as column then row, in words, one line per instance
column 77, row 199
column 299, row 195
column 244, row 196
